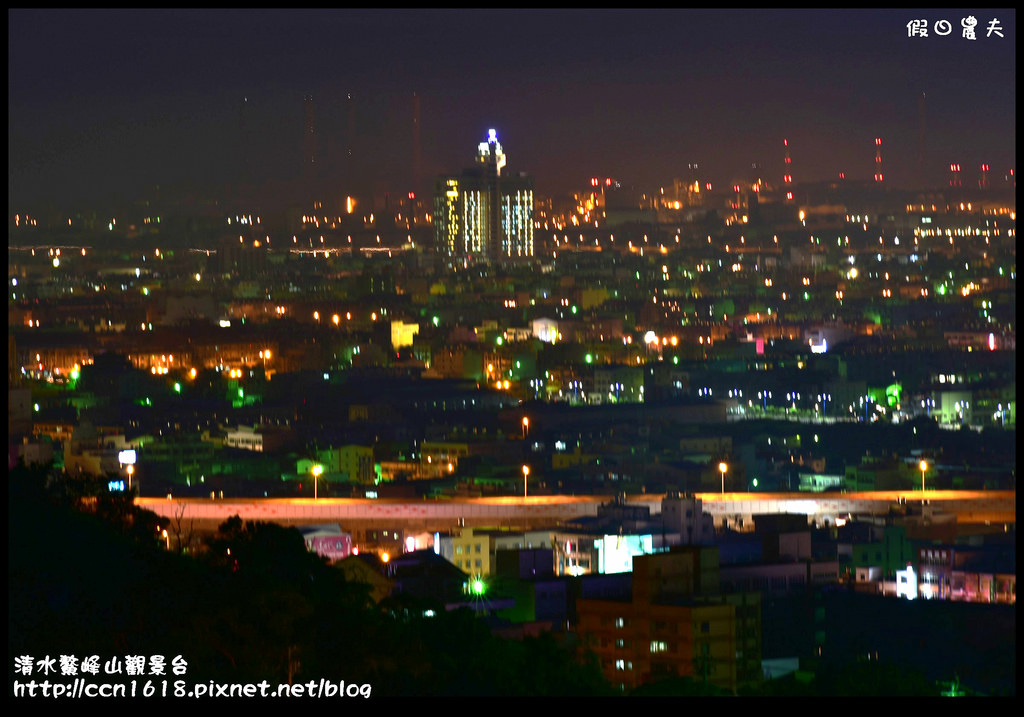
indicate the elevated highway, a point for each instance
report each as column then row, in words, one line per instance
column 412, row 516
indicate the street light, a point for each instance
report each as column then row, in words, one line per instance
column 526, row 427
column 923, row 465
column 526, row 474
column 317, row 470
column 722, row 467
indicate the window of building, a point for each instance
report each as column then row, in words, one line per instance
column 658, row 646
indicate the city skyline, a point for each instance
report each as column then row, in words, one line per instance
column 108, row 103
column 492, row 353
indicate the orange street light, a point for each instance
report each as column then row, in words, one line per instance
column 526, row 474
column 317, row 470
column 722, row 467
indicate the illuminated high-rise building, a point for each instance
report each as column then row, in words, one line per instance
column 483, row 215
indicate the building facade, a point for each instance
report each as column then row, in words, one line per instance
column 677, row 624
column 483, row 215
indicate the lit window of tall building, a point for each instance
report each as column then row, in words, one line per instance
column 482, row 215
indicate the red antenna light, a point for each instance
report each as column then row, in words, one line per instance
column 878, row 159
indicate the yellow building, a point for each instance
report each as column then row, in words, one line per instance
column 472, row 552
column 402, row 334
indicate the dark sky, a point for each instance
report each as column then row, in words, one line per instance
column 107, row 103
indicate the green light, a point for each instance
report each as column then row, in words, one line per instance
column 437, row 320
column 241, row 393
column 573, row 309
column 675, row 360
column 177, row 387
column 74, row 375
column 807, row 296
column 35, row 407
column 755, row 482
column 145, row 291
column 478, row 587
column 589, row 358
column 499, row 341
column 892, row 393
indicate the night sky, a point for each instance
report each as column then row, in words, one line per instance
column 106, row 104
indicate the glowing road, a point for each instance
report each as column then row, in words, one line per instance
column 542, row 511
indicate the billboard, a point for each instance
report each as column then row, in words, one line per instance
column 616, row 552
